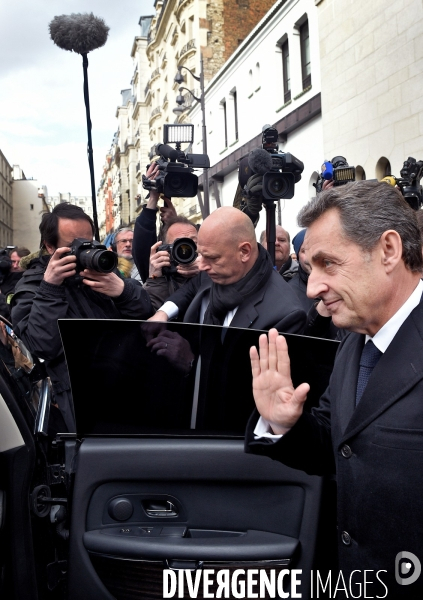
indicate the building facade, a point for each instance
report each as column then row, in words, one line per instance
column 29, row 204
column 272, row 78
column 6, row 202
column 175, row 36
column 372, row 75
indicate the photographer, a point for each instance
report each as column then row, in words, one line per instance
column 166, row 275
column 145, row 234
column 50, row 289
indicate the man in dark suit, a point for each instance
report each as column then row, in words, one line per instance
column 364, row 248
column 238, row 285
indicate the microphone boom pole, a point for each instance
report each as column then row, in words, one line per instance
column 90, row 145
column 82, row 33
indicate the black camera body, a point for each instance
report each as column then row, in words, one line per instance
column 337, row 170
column 90, row 254
column 183, row 251
column 409, row 182
column 176, row 178
column 279, row 181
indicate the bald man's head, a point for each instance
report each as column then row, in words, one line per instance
column 227, row 245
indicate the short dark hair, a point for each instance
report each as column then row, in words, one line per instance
column 419, row 217
column 173, row 221
column 21, row 251
column 367, row 209
column 49, row 226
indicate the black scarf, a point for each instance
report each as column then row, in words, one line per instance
column 224, row 298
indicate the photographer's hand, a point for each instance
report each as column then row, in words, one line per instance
column 158, row 260
column 61, row 266
column 188, row 271
column 168, row 211
column 152, row 172
column 109, row 284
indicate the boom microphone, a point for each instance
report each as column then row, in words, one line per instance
column 78, row 32
column 260, row 161
column 82, row 33
column 167, row 152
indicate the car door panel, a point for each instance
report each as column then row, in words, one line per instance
column 160, row 478
column 239, row 508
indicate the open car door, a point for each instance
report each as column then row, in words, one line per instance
column 161, row 487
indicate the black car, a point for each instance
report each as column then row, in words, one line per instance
column 154, row 488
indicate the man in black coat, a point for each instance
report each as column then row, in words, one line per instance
column 238, row 285
column 50, row 290
column 364, row 248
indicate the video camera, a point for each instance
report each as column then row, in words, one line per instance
column 183, row 251
column 336, row 170
column 90, row 254
column 280, row 170
column 176, row 178
column 409, row 182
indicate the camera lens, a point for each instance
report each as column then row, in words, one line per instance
column 277, row 186
column 106, row 261
column 184, row 251
column 175, row 183
column 102, row 261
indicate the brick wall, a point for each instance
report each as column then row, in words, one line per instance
column 228, row 23
column 240, row 17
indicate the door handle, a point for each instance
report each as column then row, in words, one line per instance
column 155, row 508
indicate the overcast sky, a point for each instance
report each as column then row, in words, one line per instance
column 42, row 111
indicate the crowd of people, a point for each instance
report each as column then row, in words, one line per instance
column 354, row 275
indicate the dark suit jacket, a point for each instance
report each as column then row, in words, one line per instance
column 275, row 305
column 376, row 451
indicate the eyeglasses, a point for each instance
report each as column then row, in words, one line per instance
column 124, row 242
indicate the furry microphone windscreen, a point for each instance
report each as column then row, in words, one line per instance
column 78, row 32
column 260, row 161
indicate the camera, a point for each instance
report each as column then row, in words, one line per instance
column 266, row 174
column 90, row 254
column 409, row 182
column 336, row 170
column 279, row 181
column 176, row 178
column 183, row 251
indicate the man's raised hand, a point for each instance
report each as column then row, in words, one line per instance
column 276, row 399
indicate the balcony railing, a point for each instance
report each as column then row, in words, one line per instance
column 155, row 111
column 189, row 46
column 155, row 74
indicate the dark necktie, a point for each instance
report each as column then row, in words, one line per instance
column 369, row 357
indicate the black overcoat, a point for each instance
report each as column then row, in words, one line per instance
column 375, row 450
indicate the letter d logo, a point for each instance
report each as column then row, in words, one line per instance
column 407, row 568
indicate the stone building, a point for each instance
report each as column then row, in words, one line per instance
column 29, row 204
column 176, row 36
column 372, row 75
column 272, row 78
column 6, row 203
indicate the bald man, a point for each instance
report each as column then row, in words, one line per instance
column 237, row 285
